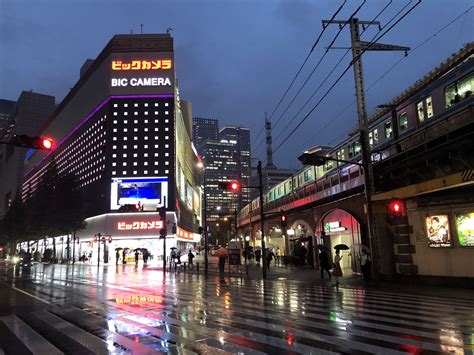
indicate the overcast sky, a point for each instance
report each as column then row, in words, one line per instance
column 234, row 58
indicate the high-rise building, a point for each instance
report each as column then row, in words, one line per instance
column 26, row 116
column 204, row 129
column 125, row 135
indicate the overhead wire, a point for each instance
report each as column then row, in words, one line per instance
column 342, row 75
column 333, row 69
column 316, row 66
column 301, row 67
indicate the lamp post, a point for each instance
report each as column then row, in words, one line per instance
column 200, row 165
column 318, row 160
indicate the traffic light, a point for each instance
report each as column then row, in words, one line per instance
column 283, row 220
column 396, row 212
column 25, row 141
column 232, row 185
column 162, row 213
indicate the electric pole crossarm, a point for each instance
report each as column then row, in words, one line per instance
column 342, row 22
column 369, row 46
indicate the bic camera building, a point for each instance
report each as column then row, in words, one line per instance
column 125, row 134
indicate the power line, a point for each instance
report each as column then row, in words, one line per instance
column 332, row 71
column 343, row 73
column 302, row 65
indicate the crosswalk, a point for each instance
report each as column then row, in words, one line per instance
column 186, row 314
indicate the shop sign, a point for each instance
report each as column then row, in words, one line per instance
column 465, row 229
column 159, row 64
column 138, row 299
column 183, row 234
column 437, row 228
column 139, row 225
column 140, row 82
column 331, row 227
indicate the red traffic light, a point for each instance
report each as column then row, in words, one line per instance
column 283, row 218
column 234, row 185
column 396, row 208
column 47, row 143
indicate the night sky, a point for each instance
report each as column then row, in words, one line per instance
column 234, row 59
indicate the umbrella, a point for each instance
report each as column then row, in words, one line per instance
column 118, row 248
column 173, row 248
column 222, row 252
column 138, row 249
column 341, row 247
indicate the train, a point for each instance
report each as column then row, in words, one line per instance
column 438, row 96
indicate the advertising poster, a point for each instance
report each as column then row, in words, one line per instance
column 437, row 228
column 465, row 229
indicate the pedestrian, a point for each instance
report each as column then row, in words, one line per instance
column 278, row 256
column 124, row 256
column 324, row 263
column 337, row 272
column 258, row 254
column 302, row 255
column 136, row 257
column 190, row 259
column 222, row 253
column 270, row 257
column 117, row 256
column 364, row 260
column 145, row 256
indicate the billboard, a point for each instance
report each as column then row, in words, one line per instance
column 465, row 229
column 142, row 73
column 150, row 192
column 437, row 228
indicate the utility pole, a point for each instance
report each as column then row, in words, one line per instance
column 262, row 220
column 206, row 242
column 358, row 48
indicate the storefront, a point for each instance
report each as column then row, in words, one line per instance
column 340, row 227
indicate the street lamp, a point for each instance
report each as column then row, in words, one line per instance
column 318, row 160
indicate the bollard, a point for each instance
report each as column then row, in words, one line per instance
column 197, row 267
column 184, row 266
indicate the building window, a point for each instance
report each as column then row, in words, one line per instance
column 429, row 107
column 340, row 155
column 388, row 129
column 459, row 90
column 403, row 121
column 420, row 113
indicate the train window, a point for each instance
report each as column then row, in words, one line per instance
column 388, row 129
column 340, row 155
column 374, row 137
column 308, row 175
column 429, row 107
column 403, row 120
column 420, row 112
column 328, row 165
column 459, row 90
column 354, row 149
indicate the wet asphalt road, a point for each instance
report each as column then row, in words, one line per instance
column 88, row 310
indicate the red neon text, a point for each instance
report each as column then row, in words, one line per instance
column 141, row 65
column 140, row 225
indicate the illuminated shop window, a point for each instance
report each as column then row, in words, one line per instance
column 156, row 104
column 114, row 172
column 167, row 104
column 124, row 155
column 167, row 163
column 145, row 146
column 145, row 172
column 155, row 172
column 146, row 113
column 115, row 113
column 145, row 129
column 124, row 147
column 134, row 172
column 156, row 145
column 156, row 154
column 124, row 163
column 167, row 129
column 135, row 130
column 167, row 121
column 156, row 138
column 135, row 121
column 156, row 121
column 135, row 163
column 146, row 121
column 125, row 113
column 167, row 112
column 135, row 147
column 145, row 163
column 156, row 112
column 124, row 172
column 135, row 113
column 167, row 171
column 156, row 129
column 115, row 105
column 125, row 138
column 125, row 129
column 156, row 163
column 115, row 130
column 167, row 145
column 145, row 155
column 167, row 137
column 125, row 121
column 135, row 155
column 146, row 104
column 135, row 138
column 125, row 105
column 114, row 147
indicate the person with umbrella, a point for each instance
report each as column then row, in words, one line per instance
column 222, row 253
column 337, row 272
column 136, row 256
column 117, row 255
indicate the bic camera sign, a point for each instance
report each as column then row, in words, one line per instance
column 141, row 67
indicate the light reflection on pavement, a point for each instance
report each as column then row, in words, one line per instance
column 128, row 309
